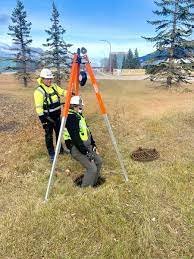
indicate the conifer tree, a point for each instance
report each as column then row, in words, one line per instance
column 20, row 33
column 57, row 55
column 136, row 62
column 173, row 32
column 129, row 60
column 124, row 62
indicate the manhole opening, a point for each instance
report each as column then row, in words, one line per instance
column 78, row 180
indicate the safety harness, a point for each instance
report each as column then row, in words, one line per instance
column 50, row 107
column 84, row 130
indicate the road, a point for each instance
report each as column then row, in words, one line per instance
column 101, row 76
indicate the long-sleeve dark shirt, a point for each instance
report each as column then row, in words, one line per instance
column 72, row 125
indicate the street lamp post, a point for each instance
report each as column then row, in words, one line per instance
column 110, row 58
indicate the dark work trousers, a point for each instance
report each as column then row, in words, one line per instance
column 49, row 127
column 92, row 167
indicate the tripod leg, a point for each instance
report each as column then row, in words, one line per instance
column 70, row 87
column 63, row 122
column 104, row 113
column 77, row 79
column 107, row 122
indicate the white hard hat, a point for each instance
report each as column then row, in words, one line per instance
column 46, row 73
column 77, row 100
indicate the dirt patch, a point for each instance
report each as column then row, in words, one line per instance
column 11, row 126
column 189, row 121
column 15, row 112
column 11, row 105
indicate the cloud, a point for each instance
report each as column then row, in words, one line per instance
column 4, row 18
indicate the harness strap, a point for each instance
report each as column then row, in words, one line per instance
column 48, row 95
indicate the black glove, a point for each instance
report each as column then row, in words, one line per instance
column 43, row 119
column 50, row 120
column 90, row 156
column 46, row 119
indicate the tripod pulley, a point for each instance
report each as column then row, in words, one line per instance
column 82, row 78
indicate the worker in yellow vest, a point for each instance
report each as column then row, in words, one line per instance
column 79, row 141
column 48, row 107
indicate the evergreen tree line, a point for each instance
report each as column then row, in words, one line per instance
column 174, row 55
column 174, row 28
column 25, row 58
column 131, row 61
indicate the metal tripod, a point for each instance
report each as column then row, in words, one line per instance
column 73, row 85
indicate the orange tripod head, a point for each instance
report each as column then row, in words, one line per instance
column 81, row 58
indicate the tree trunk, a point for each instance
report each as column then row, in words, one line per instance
column 24, row 61
column 169, row 81
column 25, row 74
column 172, row 48
column 58, row 75
column 25, row 81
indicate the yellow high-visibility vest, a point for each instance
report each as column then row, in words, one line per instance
column 47, row 99
column 84, row 131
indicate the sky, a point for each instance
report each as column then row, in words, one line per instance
column 87, row 22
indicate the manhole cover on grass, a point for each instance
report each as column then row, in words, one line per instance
column 145, row 154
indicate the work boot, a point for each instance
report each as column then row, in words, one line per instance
column 61, row 151
column 52, row 156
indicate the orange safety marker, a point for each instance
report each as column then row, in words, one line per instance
column 73, row 86
column 95, row 85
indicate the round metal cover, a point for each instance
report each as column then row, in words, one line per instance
column 145, row 154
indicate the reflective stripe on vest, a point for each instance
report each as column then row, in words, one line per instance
column 83, row 129
column 49, row 104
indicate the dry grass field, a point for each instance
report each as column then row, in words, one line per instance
column 151, row 216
